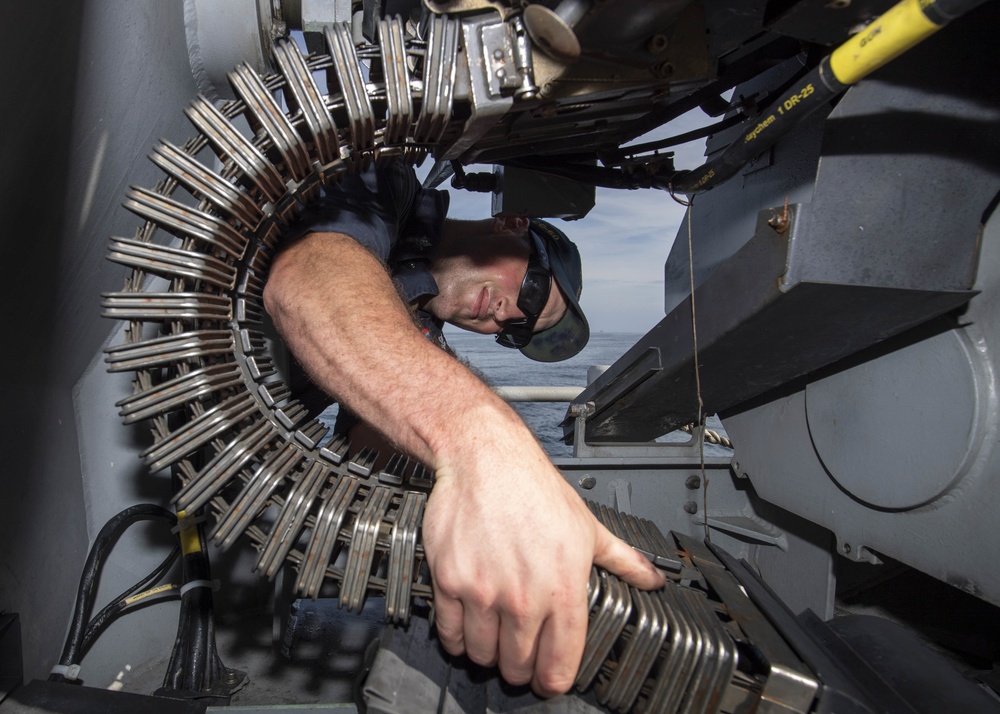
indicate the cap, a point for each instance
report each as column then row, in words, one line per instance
column 570, row 335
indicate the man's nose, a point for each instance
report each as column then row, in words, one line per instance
column 506, row 310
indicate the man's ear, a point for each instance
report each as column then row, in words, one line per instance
column 513, row 225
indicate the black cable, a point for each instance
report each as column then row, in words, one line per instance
column 942, row 12
column 88, row 579
column 644, row 175
column 195, row 668
column 855, row 59
column 118, row 605
column 745, row 69
column 631, row 152
column 813, row 91
column 624, row 168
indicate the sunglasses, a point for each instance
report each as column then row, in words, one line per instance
column 534, row 293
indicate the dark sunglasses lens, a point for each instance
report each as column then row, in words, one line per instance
column 516, row 335
column 534, row 292
column 531, row 301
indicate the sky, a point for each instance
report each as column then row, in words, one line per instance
column 624, row 240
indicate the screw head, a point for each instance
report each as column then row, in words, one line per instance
column 691, row 507
column 588, row 482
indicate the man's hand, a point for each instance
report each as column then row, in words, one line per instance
column 509, row 543
column 510, row 546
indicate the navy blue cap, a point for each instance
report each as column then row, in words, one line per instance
column 570, row 335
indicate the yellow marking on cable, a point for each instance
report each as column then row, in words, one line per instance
column 895, row 31
column 761, row 126
column 150, row 593
column 190, row 542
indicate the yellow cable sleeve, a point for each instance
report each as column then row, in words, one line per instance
column 190, row 542
column 150, row 593
column 895, row 31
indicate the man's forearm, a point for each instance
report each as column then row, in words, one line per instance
column 338, row 311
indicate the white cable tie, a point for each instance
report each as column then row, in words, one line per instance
column 183, row 523
column 214, row 584
column 69, row 672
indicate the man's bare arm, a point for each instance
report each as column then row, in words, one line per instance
column 508, row 541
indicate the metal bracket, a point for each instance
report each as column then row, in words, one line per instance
column 580, row 412
column 492, row 69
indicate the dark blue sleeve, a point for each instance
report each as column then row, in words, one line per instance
column 370, row 207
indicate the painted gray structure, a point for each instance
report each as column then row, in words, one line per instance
column 94, row 84
column 112, row 77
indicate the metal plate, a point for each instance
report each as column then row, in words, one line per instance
column 879, row 428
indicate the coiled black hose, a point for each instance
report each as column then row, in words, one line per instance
column 88, row 579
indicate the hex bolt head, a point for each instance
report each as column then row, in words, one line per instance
column 691, row 507
column 588, row 482
column 693, row 482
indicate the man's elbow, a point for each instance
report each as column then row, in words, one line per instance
column 278, row 287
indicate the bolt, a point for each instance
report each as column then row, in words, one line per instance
column 662, row 70
column 498, row 54
column 586, row 409
column 588, row 482
column 779, row 222
column 691, row 507
column 846, row 547
column 501, row 73
column 693, row 482
column 657, row 43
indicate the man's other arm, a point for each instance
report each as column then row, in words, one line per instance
column 509, row 543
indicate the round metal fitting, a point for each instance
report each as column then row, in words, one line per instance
column 869, row 423
column 551, row 33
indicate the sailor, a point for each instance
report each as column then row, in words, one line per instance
column 377, row 270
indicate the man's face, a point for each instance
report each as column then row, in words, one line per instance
column 479, row 288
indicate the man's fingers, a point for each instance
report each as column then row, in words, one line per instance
column 616, row 556
column 449, row 622
column 560, row 649
column 481, row 635
column 518, row 649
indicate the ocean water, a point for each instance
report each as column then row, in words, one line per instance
column 505, row 367
column 500, row 366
